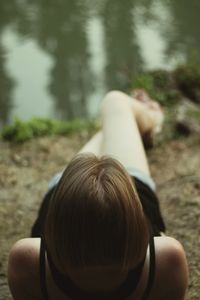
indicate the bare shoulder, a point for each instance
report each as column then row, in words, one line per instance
column 24, row 252
column 169, row 251
column 23, row 266
column 172, row 266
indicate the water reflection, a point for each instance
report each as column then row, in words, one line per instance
column 123, row 53
column 8, row 14
column 150, row 19
column 60, row 29
column 6, row 85
column 184, row 31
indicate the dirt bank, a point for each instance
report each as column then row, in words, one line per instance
column 26, row 169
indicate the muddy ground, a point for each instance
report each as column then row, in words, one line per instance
column 26, row 169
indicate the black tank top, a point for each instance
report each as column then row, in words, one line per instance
column 75, row 293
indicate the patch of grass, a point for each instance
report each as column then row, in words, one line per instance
column 168, row 87
column 21, row 131
column 160, row 85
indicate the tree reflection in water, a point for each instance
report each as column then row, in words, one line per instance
column 60, row 29
column 122, row 50
column 7, row 14
column 182, row 33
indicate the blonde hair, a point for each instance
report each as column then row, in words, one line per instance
column 95, row 217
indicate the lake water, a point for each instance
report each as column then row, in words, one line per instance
column 59, row 57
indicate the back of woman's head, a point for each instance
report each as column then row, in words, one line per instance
column 95, row 217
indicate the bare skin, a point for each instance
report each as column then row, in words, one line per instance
column 124, row 121
column 155, row 111
column 170, row 282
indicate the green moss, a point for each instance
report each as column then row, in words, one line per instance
column 159, row 85
column 21, row 131
column 169, row 87
column 144, row 81
column 162, row 79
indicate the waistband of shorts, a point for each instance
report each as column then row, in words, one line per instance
column 146, row 179
column 55, row 179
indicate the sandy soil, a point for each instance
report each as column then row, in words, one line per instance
column 26, row 169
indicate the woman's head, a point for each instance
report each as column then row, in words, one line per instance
column 95, row 217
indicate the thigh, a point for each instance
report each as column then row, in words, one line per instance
column 121, row 136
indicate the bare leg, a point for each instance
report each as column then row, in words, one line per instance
column 124, row 121
column 94, row 145
column 121, row 135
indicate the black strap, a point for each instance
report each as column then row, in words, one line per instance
column 43, row 271
column 152, row 268
column 74, row 292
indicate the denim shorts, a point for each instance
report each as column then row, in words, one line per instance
column 148, row 180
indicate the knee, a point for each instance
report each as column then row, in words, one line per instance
column 113, row 100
